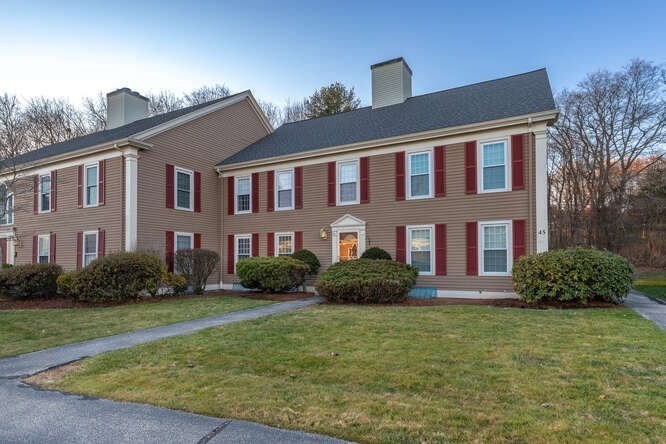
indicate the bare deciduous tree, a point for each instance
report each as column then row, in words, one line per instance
column 206, row 94
column 294, row 111
column 272, row 113
column 164, row 102
column 95, row 112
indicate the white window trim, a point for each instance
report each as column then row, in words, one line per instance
column 507, row 166
column 277, row 191
column 39, row 194
column 48, row 247
column 241, row 236
column 7, row 213
column 408, row 177
column 410, row 228
column 509, row 247
column 276, row 248
column 236, row 180
column 190, row 173
column 83, row 245
column 183, row 234
column 338, row 165
column 85, row 184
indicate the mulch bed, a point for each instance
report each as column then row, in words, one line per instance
column 505, row 303
column 9, row 304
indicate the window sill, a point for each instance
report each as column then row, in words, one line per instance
column 418, row 197
column 184, row 209
column 243, row 212
column 495, row 274
column 284, row 209
column 344, row 204
column 91, row 206
column 499, row 190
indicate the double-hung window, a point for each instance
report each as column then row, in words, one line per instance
column 419, row 183
column 243, row 247
column 184, row 186
column 284, row 190
column 43, row 248
column 284, row 244
column 90, row 247
column 184, row 241
column 92, row 184
column 45, row 193
column 243, row 196
column 348, row 182
column 495, row 166
column 495, row 251
column 7, row 202
column 421, row 248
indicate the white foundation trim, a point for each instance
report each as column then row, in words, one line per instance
column 460, row 294
column 541, row 194
column 131, row 156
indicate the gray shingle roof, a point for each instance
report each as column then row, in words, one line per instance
column 108, row 136
column 494, row 99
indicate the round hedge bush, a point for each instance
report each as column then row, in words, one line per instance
column 272, row 274
column 309, row 258
column 120, row 277
column 367, row 281
column 376, row 253
column 573, row 274
column 30, row 281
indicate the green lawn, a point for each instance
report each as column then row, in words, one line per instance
column 410, row 374
column 652, row 283
column 22, row 331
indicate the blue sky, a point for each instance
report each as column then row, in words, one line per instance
column 288, row 49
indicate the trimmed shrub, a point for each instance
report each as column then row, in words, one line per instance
column 175, row 284
column 367, row 281
column 309, row 258
column 31, row 281
column 195, row 265
column 67, row 284
column 376, row 253
column 271, row 274
column 120, row 277
column 573, row 274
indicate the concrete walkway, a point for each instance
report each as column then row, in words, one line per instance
column 32, row 415
column 648, row 308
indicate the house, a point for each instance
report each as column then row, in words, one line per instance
column 452, row 182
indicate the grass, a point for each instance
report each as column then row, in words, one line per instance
column 400, row 374
column 652, row 283
column 23, row 331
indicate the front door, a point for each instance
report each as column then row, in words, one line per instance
column 348, row 246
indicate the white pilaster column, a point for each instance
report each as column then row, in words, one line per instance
column 541, row 192
column 131, row 156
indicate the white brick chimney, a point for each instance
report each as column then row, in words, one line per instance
column 391, row 82
column 125, row 106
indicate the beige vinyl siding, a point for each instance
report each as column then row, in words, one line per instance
column 68, row 220
column 384, row 213
column 198, row 146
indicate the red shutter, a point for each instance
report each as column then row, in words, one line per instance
column 79, row 250
column 400, row 176
column 298, row 241
column 170, row 189
column 517, row 163
column 255, row 192
column 270, row 190
column 440, row 171
column 3, row 245
column 270, row 244
column 36, row 195
column 101, row 243
column 52, row 248
column 519, row 238
column 255, row 244
column 35, row 243
column 230, row 254
column 230, row 197
column 169, row 250
column 401, row 244
column 54, row 190
column 440, row 249
column 365, row 180
column 472, row 249
column 79, row 187
column 470, row 167
column 331, row 184
column 102, row 182
column 197, row 192
column 298, row 188
column 197, row 240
